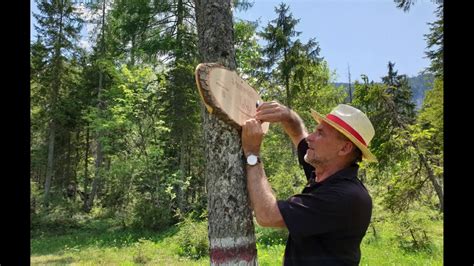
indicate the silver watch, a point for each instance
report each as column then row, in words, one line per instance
column 253, row 159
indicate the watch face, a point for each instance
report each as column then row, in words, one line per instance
column 252, row 159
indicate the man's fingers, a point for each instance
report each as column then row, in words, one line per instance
column 267, row 105
column 266, row 112
column 268, row 117
column 251, row 124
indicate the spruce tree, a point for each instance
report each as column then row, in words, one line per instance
column 58, row 31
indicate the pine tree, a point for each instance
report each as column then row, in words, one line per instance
column 102, row 82
column 404, row 163
column 285, row 56
column 397, row 86
column 58, row 31
column 435, row 41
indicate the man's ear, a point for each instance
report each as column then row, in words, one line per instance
column 346, row 148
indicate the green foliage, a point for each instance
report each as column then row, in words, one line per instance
column 65, row 31
column 270, row 236
column 140, row 255
column 287, row 181
column 389, row 108
column 147, row 202
column 59, row 219
column 435, row 40
column 407, row 157
column 432, row 112
column 287, row 59
column 152, row 212
column 247, row 50
column 316, row 92
column 414, row 233
column 192, row 238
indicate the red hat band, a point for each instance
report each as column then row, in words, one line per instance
column 347, row 127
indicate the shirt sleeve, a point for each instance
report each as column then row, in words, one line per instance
column 315, row 213
column 302, row 147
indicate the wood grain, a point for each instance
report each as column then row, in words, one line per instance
column 226, row 95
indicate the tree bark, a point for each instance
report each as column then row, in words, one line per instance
column 433, row 179
column 230, row 222
column 49, row 169
column 89, row 203
column 86, row 169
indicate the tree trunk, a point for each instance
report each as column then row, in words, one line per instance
column 433, row 179
column 230, row 222
column 56, row 85
column 181, row 193
column 89, row 203
column 49, row 169
column 86, row 169
column 67, row 171
column 98, row 159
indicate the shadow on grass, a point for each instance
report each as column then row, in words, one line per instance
column 100, row 234
column 63, row 261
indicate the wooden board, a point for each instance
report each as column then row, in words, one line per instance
column 226, row 95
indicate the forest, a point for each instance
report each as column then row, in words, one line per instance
column 119, row 156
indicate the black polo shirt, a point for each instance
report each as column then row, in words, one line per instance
column 328, row 220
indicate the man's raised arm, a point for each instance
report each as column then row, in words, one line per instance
column 292, row 123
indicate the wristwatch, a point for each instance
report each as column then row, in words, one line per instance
column 253, row 159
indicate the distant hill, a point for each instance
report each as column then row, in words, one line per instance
column 419, row 84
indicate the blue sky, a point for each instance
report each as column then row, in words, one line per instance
column 361, row 34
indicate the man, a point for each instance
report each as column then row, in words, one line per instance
column 328, row 220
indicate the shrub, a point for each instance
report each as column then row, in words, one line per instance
column 413, row 232
column 152, row 213
column 140, row 253
column 192, row 239
column 288, row 181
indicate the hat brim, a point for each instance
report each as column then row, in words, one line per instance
column 366, row 154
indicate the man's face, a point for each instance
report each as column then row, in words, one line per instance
column 323, row 145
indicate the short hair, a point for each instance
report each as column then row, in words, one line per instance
column 357, row 156
column 356, row 152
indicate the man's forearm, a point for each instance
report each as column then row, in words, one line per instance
column 262, row 199
column 294, row 127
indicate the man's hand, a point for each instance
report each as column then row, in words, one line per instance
column 252, row 136
column 276, row 112
column 273, row 112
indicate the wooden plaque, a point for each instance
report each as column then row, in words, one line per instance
column 227, row 95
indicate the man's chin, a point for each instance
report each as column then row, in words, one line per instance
column 311, row 162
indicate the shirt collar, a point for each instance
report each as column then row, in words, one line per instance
column 349, row 172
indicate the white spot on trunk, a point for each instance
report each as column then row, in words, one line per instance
column 231, row 242
column 237, row 262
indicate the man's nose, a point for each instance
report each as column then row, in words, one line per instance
column 311, row 136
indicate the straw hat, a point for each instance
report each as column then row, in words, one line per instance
column 354, row 124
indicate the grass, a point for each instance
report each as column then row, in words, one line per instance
column 386, row 250
column 100, row 242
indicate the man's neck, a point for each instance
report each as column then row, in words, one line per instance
column 324, row 171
